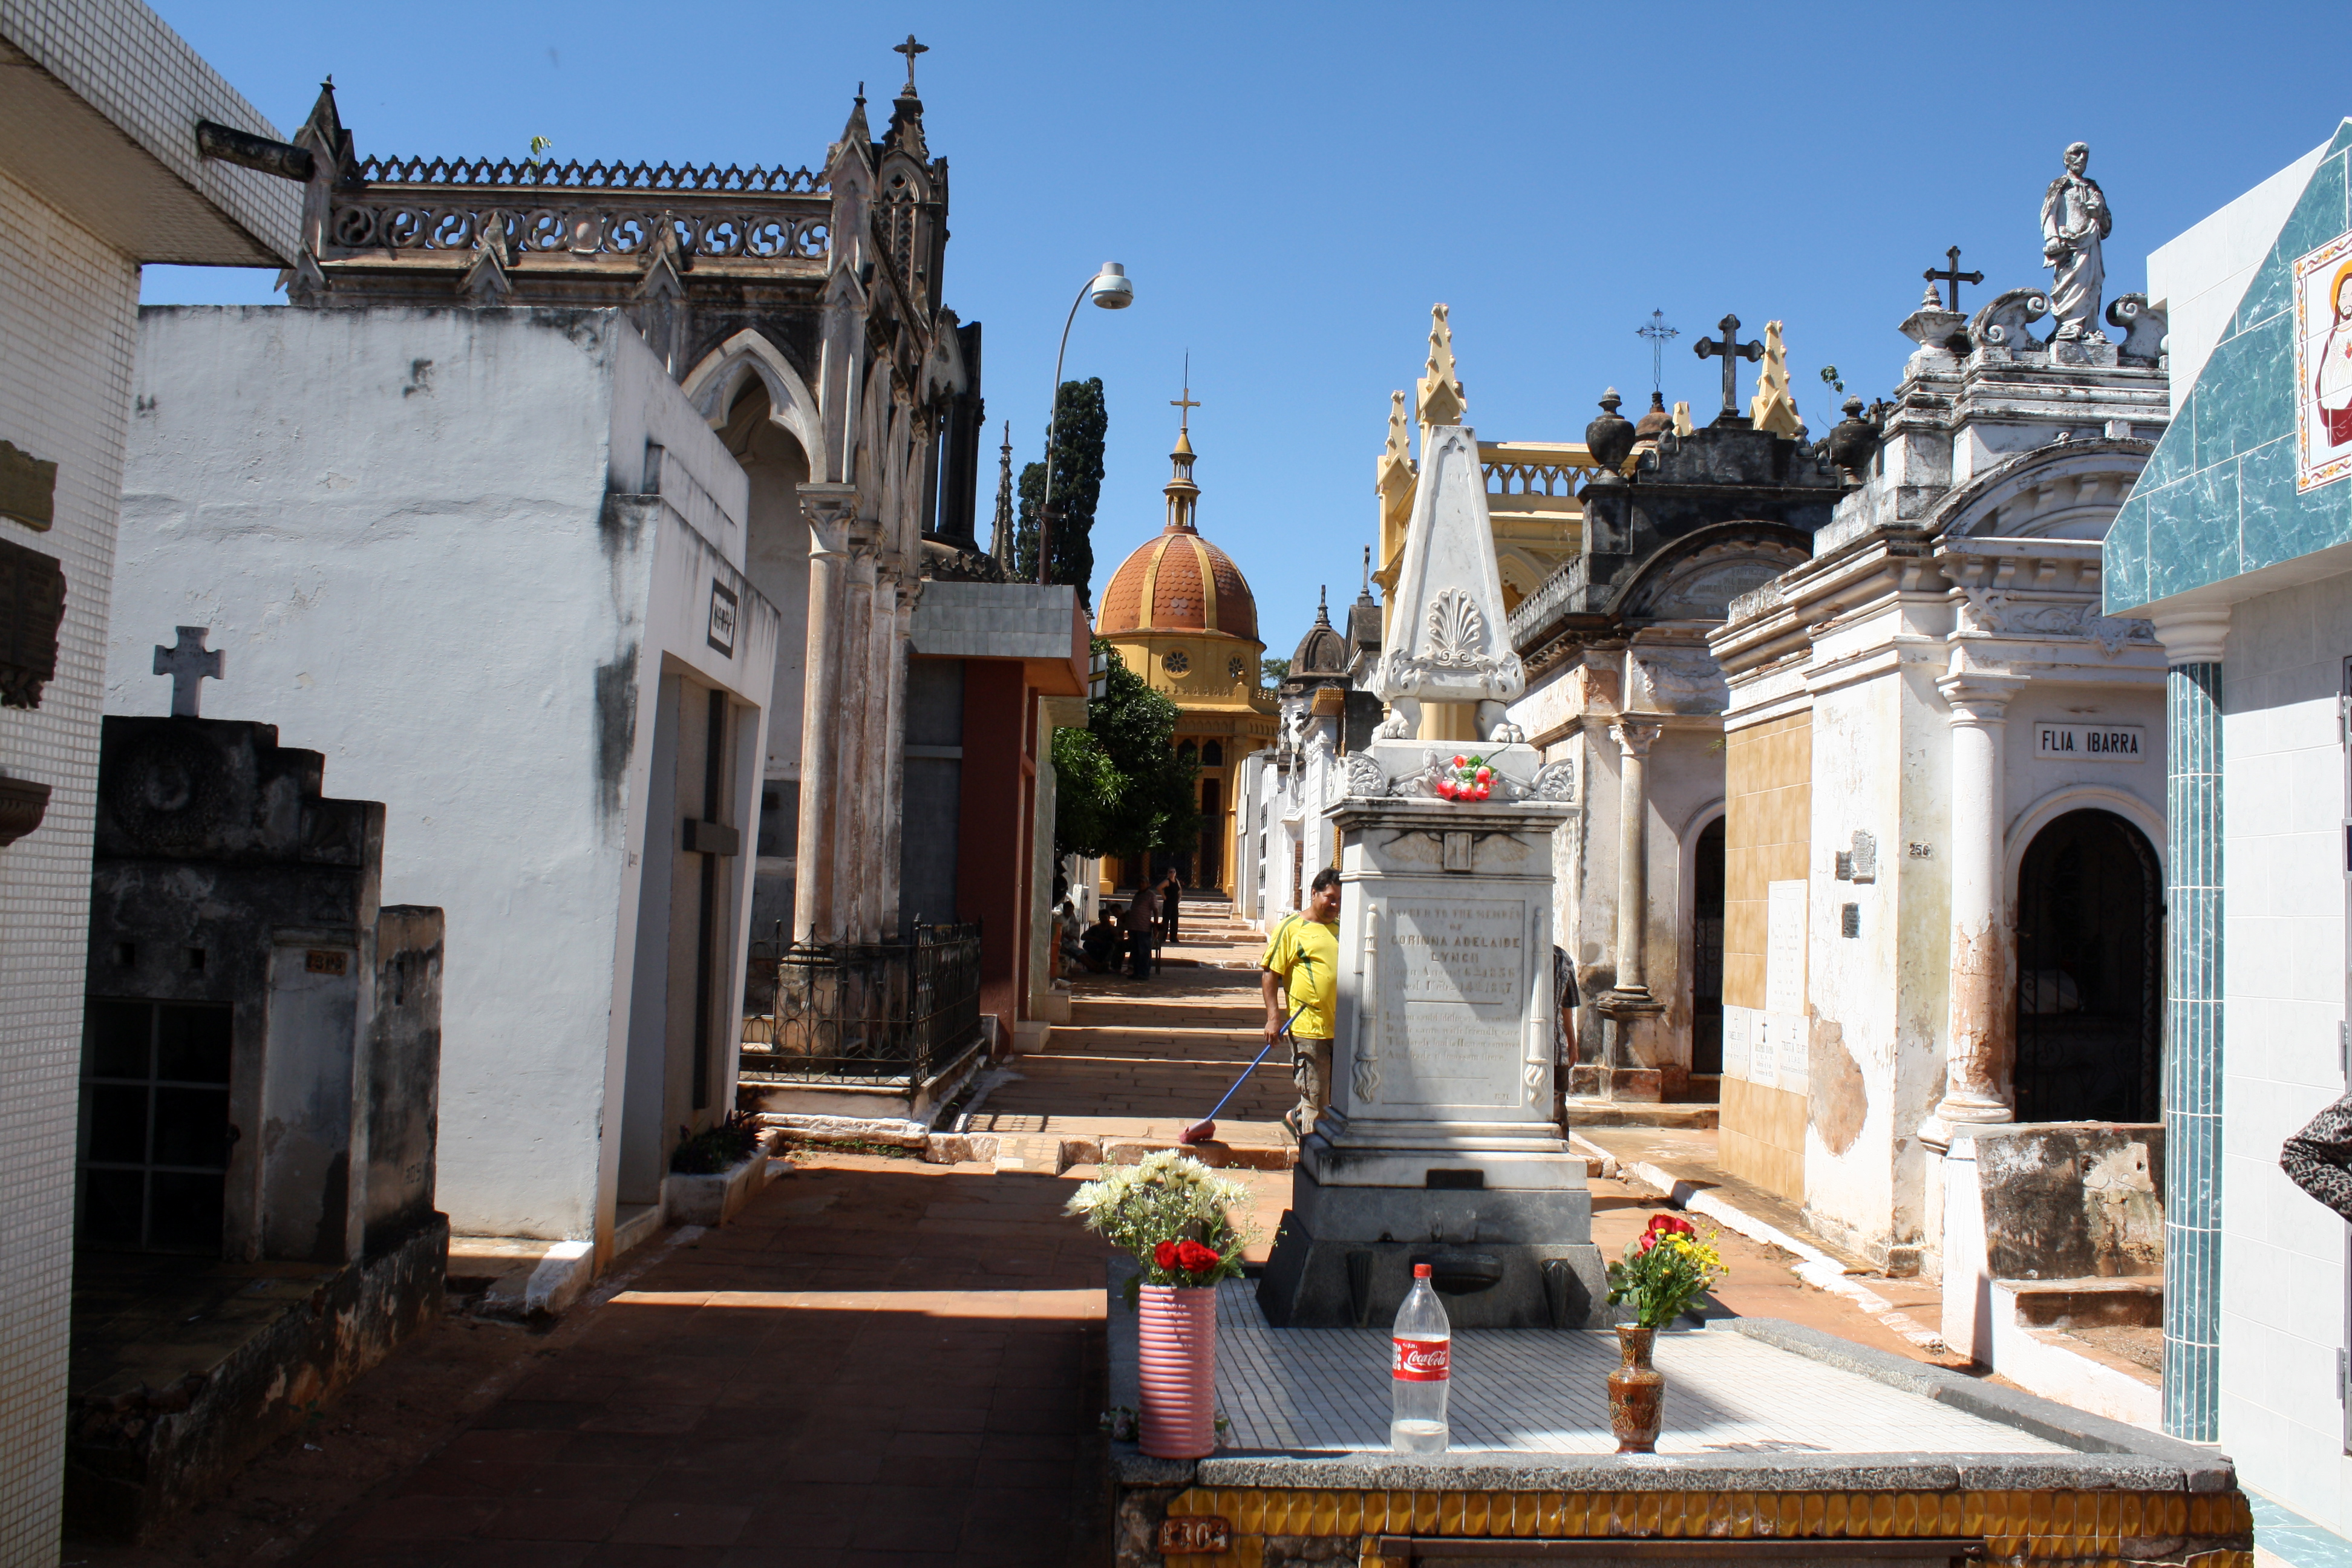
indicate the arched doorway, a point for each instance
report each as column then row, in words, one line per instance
column 2089, row 924
column 1706, row 950
column 1212, row 836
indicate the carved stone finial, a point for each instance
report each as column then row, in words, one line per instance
column 1773, row 408
column 1440, row 398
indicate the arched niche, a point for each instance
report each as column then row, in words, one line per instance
column 715, row 386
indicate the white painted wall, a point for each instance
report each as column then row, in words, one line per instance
column 2282, row 1255
column 2202, row 272
column 397, row 525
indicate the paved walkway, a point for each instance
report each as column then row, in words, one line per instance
column 880, row 1362
column 1141, row 1059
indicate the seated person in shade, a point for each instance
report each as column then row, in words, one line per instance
column 1099, row 947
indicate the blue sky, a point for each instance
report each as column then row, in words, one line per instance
column 1292, row 186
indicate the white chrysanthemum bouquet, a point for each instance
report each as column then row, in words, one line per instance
column 1184, row 1223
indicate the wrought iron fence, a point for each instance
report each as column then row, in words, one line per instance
column 863, row 1013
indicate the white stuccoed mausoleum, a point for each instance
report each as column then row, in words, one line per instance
column 1439, row 1145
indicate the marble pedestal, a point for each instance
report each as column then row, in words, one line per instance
column 1439, row 1145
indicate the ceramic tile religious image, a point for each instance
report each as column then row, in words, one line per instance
column 2323, row 364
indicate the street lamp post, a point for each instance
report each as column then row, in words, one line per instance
column 1111, row 291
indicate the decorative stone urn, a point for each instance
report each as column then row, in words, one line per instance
column 1853, row 440
column 1609, row 438
column 1177, row 1344
column 1637, row 1391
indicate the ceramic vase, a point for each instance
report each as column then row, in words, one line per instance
column 1637, row 1391
column 1178, row 1341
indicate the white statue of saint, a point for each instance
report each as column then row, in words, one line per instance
column 2074, row 219
column 2333, row 385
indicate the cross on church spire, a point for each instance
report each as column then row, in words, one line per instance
column 1952, row 275
column 911, row 49
column 1732, row 351
column 189, row 663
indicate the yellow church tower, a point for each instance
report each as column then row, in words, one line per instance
column 1182, row 616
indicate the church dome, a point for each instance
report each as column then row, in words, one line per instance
column 1322, row 652
column 1179, row 582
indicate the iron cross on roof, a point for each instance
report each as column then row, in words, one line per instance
column 1952, row 275
column 911, row 49
column 1658, row 332
column 1732, row 351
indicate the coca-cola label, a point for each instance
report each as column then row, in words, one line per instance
column 1422, row 1361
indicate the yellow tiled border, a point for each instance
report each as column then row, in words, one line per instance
column 2090, row 1529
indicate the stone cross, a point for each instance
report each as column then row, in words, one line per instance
column 1953, row 275
column 188, row 662
column 1732, row 351
column 911, row 49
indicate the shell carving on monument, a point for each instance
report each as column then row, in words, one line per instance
column 1458, row 643
column 1457, row 632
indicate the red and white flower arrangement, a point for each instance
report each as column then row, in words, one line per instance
column 1466, row 778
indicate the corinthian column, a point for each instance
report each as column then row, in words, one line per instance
column 1980, row 1022
column 828, row 508
column 1634, row 735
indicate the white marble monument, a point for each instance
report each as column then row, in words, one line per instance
column 1439, row 1145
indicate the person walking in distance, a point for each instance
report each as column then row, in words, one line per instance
column 1171, row 899
column 1142, row 931
column 1300, row 974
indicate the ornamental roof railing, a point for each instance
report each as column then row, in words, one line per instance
column 535, row 175
column 433, row 205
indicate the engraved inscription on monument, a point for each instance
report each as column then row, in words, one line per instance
column 1457, row 969
column 1462, row 951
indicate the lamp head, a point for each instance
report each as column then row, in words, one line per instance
column 1110, row 288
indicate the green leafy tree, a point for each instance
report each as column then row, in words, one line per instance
column 1273, row 671
column 1080, row 422
column 1121, row 789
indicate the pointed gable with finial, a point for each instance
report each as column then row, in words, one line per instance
column 1773, row 408
column 1439, row 398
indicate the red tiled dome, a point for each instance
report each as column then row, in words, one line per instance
column 1179, row 583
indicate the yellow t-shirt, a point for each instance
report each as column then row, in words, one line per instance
column 1305, row 955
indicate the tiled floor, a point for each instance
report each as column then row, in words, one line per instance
column 1538, row 1391
column 2299, row 1543
column 881, row 1363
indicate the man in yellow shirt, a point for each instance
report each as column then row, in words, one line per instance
column 1302, row 963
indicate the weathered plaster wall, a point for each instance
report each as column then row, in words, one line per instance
column 400, row 526
column 1859, row 1063
column 1767, row 838
column 2283, row 1256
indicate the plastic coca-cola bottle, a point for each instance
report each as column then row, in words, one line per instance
column 1419, row 1369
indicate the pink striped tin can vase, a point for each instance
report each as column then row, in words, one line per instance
column 1178, row 1340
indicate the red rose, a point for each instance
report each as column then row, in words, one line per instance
column 1165, row 1255
column 1195, row 1257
